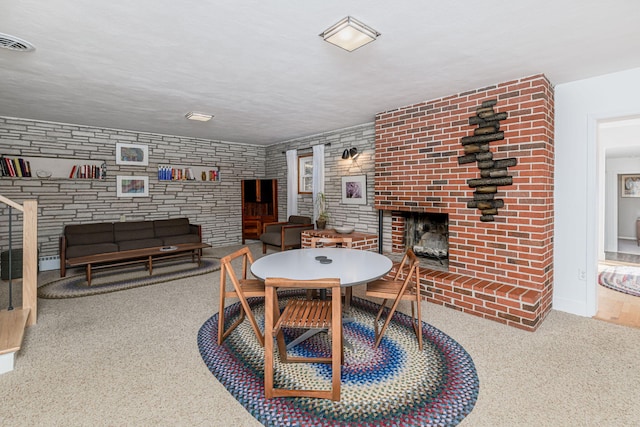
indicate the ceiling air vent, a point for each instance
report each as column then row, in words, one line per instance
column 14, row 43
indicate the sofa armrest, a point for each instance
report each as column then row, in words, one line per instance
column 294, row 231
column 268, row 227
column 196, row 229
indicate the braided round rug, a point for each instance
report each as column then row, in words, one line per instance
column 119, row 279
column 394, row 385
column 621, row 278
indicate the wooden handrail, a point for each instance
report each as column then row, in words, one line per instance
column 11, row 203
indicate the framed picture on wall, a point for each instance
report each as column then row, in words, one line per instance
column 630, row 185
column 354, row 190
column 132, row 154
column 132, row 186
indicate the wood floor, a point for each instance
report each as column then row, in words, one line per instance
column 617, row 307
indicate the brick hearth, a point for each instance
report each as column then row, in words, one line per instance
column 500, row 270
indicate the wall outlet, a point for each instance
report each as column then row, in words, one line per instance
column 123, row 218
column 582, row 275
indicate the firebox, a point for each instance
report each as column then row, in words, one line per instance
column 428, row 235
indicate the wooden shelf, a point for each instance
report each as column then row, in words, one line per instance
column 57, row 167
column 188, row 173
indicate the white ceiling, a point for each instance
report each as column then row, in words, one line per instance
column 261, row 68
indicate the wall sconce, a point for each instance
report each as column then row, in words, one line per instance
column 349, row 34
column 350, row 153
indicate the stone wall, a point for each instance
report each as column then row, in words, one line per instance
column 214, row 205
column 363, row 217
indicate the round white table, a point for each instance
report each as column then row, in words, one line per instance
column 352, row 266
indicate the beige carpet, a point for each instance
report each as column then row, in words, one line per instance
column 131, row 358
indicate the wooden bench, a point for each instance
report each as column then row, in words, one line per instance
column 146, row 255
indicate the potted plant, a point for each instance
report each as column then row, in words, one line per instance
column 323, row 215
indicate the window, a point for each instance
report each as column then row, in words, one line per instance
column 305, row 174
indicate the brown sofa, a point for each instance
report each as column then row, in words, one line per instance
column 286, row 234
column 98, row 238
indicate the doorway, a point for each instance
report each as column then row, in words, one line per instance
column 619, row 153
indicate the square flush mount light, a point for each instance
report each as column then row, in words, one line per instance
column 349, row 34
column 198, row 116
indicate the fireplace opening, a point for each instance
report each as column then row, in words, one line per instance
column 428, row 235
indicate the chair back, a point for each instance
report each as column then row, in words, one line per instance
column 242, row 288
column 408, row 267
column 227, row 269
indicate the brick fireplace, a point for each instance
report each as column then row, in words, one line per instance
column 501, row 270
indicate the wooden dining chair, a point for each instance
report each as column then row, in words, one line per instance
column 302, row 314
column 334, row 242
column 242, row 288
column 404, row 285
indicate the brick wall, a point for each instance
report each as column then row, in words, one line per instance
column 502, row 270
column 61, row 201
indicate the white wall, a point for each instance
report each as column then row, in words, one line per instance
column 579, row 106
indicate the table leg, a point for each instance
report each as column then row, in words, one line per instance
column 88, row 274
column 150, row 265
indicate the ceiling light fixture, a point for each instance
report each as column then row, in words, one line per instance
column 349, row 34
column 201, row 117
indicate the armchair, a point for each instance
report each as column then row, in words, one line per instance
column 285, row 234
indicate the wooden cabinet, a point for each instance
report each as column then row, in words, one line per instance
column 259, row 206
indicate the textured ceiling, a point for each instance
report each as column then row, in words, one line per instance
column 262, row 70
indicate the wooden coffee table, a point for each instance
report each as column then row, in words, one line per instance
column 146, row 255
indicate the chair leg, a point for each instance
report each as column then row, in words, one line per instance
column 246, row 309
column 392, row 310
column 418, row 327
column 268, row 352
column 348, row 292
column 264, row 248
column 222, row 334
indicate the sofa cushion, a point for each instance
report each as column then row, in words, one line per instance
column 171, row 227
column 89, row 234
column 271, row 238
column 135, row 230
column 184, row 238
column 127, row 245
column 297, row 219
column 97, row 248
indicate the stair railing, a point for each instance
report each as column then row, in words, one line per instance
column 29, row 209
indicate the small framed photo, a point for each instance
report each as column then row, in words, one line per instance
column 354, row 190
column 630, row 185
column 132, row 154
column 132, row 186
